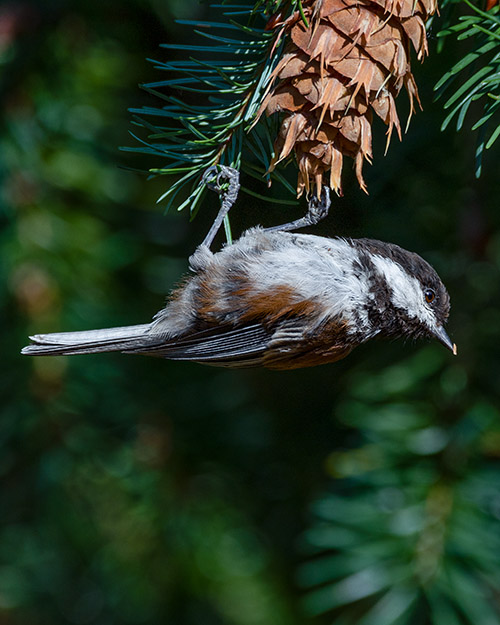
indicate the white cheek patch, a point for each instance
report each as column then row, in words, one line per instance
column 406, row 291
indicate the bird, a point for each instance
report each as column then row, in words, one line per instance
column 280, row 300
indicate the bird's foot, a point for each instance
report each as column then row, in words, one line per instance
column 317, row 210
column 225, row 181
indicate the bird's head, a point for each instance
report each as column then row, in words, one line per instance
column 408, row 297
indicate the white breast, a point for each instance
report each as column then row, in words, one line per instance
column 316, row 267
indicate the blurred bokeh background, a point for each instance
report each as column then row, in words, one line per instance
column 134, row 490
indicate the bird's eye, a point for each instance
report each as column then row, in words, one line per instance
column 429, row 295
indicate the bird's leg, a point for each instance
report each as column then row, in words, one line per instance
column 214, row 178
column 317, row 210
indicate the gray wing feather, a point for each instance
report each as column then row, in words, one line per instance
column 218, row 346
column 227, row 346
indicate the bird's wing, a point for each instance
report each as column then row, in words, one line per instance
column 279, row 346
column 223, row 346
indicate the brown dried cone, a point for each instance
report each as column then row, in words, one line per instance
column 350, row 61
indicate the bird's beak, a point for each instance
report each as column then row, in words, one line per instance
column 442, row 337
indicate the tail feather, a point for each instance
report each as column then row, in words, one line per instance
column 87, row 342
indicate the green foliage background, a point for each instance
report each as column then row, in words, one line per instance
column 134, row 490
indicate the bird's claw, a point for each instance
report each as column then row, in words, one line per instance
column 319, row 207
column 214, row 177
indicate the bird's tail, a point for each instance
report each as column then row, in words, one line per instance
column 89, row 342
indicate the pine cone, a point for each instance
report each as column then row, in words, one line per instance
column 350, row 61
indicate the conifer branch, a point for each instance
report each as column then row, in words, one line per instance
column 475, row 77
column 210, row 105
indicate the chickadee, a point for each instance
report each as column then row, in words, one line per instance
column 280, row 300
